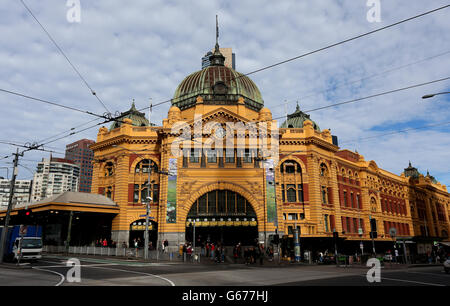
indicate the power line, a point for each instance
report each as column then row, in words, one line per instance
column 51, row 103
column 65, row 56
column 313, row 93
column 371, row 96
column 398, row 132
column 348, row 40
column 320, row 49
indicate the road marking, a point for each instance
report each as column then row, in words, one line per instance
column 64, row 266
column 141, row 273
column 62, row 276
column 415, row 282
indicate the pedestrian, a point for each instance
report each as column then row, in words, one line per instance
column 235, row 253
column 207, row 249
column 105, row 243
column 184, row 251
column 166, row 244
column 213, row 249
column 124, row 245
column 261, row 254
column 247, row 256
column 189, row 252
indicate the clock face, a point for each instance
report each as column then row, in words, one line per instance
column 220, row 88
column 219, row 132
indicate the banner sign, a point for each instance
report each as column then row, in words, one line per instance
column 171, row 216
column 270, row 190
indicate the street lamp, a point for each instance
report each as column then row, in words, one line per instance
column 432, row 95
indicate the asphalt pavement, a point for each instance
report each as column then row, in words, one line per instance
column 54, row 271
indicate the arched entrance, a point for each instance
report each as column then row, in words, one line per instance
column 137, row 230
column 222, row 216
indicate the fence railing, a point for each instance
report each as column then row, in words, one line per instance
column 118, row 252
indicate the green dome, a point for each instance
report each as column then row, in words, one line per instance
column 137, row 118
column 217, row 84
column 296, row 120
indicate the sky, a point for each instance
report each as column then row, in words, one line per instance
column 143, row 49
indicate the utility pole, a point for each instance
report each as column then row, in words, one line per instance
column 69, row 231
column 10, row 203
column 148, row 210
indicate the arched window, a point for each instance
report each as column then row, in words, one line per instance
column 373, row 204
column 323, row 170
column 109, row 169
column 290, row 166
column 143, row 166
column 222, row 203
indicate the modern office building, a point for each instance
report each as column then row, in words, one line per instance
column 54, row 176
column 82, row 155
column 22, row 191
column 230, row 58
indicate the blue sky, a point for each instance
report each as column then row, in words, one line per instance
column 144, row 49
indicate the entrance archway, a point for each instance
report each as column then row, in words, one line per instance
column 222, row 216
column 137, row 230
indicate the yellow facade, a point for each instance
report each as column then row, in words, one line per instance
column 318, row 186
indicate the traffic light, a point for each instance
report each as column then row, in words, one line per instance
column 335, row 235
column 24, row 216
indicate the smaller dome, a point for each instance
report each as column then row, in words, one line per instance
column 297, row 119
column 137, row 118
column 174, row 109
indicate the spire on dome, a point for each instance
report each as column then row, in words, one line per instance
column 217, row 59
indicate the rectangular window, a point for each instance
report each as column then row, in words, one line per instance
column 324, row 195
column 300, row 193
column 212, row 202
column 352, row 200
column 325, row 220
column 292, row 216
column 212, row 156
column 345, row 199
column 194, row 157
column 229, row 159
column 358, row 201
column 291, row 193
column 136, row 194
column 247, row 156
column 231, row 202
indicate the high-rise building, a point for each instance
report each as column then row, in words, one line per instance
column 22, row 191
column 230, row 58
column 54, row 176
column 82, row 155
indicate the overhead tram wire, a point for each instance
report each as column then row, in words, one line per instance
column 397, row 132
column 313, row 93
column 369, row 97
column 65, row 56
column 51, row 103
column 323, row 48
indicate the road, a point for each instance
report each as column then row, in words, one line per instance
column 53, row 271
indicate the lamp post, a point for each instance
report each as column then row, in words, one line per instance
column 432, row 95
